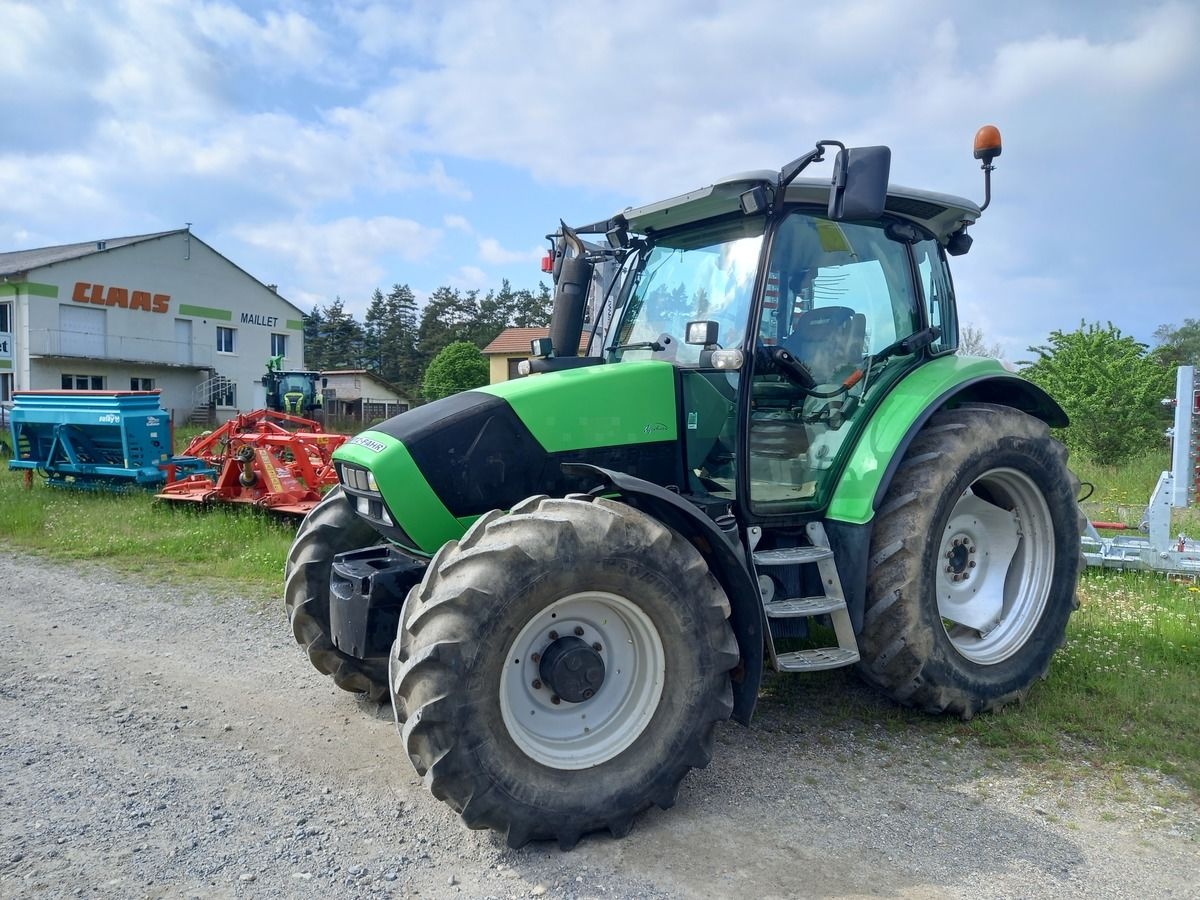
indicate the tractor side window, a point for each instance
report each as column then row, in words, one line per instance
column 934, row 275
column 838, row 296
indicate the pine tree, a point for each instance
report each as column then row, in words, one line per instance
column 447, row 317
column 374, row 329
column 401, row 363
column 342, row 337
column 531, row 309
column 314, row 343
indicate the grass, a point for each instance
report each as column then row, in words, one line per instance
column 132, row 532
column 1123, row 692
column 1127, row 683
column 1121, row 492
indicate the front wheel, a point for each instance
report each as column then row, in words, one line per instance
column 561, row 668
column 975, row 556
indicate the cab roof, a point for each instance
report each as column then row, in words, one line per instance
column 942, row 214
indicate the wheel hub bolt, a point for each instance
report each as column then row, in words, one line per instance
column 555, row 700
column 949, row 568
column 588, row 694
column 971, row 564
column 596, row 646
column 537, row 685
column 536, row 657
column 971, row 549
column 578, row 631
column 554, row 635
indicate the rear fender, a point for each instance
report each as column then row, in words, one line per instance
column 882, row 446
column 948, row 381
column 724, row 556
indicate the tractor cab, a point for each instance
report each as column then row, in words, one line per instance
column 785, row 322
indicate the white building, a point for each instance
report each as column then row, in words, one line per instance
column 362, row 396
column 154, row 311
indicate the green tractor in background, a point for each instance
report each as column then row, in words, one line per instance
column 294, row 393
column 565, row 581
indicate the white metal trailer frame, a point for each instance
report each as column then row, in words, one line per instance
column 1160, row 552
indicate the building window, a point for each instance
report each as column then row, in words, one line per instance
column 6, row 338
column 6, row 387
column 279, row 345
column 227, row 397
column 83, row 382
column 512, row 368
column 225, row 339
column 141, row 384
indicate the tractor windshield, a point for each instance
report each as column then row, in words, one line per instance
column 701, row 273
column 295, row 384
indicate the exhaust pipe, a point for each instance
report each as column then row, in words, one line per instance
column 572, row 275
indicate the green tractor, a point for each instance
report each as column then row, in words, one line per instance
column 565, row 581
column 294, row 393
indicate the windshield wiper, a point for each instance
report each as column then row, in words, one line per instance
column 639, row 345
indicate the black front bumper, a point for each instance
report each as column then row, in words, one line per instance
column 366, row 593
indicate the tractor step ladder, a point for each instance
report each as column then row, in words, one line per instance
column 831, row 603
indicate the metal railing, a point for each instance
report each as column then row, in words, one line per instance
column 51, row 342
column 208, row 392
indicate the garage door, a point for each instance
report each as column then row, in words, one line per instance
column 81, row 331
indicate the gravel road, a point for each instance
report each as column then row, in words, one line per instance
column 168, row 742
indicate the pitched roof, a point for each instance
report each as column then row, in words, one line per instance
column 18, row 262
column 516, row 340
column 23, row 260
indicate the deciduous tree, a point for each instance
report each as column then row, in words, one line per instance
column 1110, row 387
column 972, row 342
column 459, row 367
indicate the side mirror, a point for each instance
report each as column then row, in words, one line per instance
column 860, row 183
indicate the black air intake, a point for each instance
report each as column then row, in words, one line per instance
column 570, row 300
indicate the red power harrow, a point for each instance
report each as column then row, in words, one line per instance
column 261, row 462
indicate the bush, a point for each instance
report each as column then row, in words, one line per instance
column 459, row 367
column 1109, row 386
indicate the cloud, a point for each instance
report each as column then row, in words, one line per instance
column 469, row 278
column 490, row 251
column 343, row 257
column 281, row 41
column 1162, row 49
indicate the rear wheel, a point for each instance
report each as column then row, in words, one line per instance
column 974, row 560
column 332, row 527
column 561, row 668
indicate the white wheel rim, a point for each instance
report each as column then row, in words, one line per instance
column 568, row 735
column 995, row 566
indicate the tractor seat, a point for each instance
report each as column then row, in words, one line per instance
column 828, row 340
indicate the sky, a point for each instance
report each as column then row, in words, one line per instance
column 335, row 147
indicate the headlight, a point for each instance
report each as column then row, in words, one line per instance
column 371, row 485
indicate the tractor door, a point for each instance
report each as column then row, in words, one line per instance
column 835, row 294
